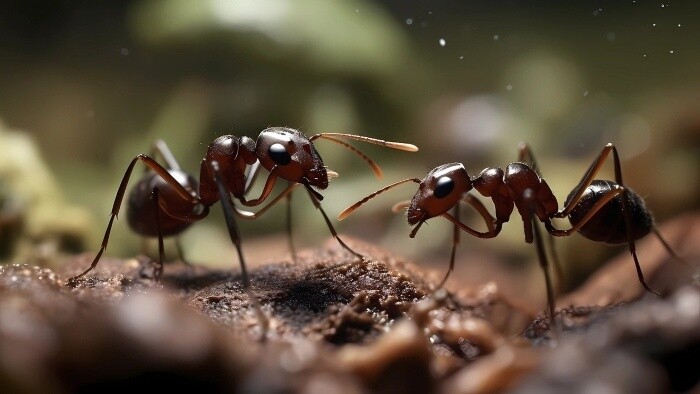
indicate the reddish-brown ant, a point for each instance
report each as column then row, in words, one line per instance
column 167, row 200
column 601, row 210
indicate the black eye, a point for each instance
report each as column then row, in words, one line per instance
column 279, row 154
column 443, row 187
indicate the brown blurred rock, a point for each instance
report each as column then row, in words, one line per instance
column 617, row 281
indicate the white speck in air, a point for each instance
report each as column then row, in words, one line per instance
column 442, row 42
column 409, row 21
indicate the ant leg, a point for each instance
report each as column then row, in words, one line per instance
column 587, row 178
column 231, row 224
column 481, row 209
column 290, row 239
column 158, row 271
column 556, row 263
column 254, row 215
column 157, row 265
column 488, row 219
column 666, row 245
column 267, row 189
column 159, row 147
column 618, row 190
column 234, row 234
column 493, row 226
column 317, row 204
column 526, row 156
column 541, row 254
column 251, row 175
column 455, row 242
column 158, row 169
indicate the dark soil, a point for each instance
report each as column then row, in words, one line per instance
column 333, row 323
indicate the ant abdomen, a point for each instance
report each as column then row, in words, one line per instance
column 608, row 224
column 141, row 214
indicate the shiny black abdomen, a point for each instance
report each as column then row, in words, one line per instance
column 608, row 224
column 141, row 214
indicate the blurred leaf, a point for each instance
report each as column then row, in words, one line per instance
column 353, row 37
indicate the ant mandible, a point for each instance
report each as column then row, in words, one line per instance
column 165, row 201
column 601, row 210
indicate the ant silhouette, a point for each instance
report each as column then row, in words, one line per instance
column 166, row 201
column 601, row 210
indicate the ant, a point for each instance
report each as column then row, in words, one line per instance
column 601, row 210
column 167, row 200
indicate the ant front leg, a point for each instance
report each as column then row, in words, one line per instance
column 488, row 219
column 251, row 176
column 493, row 226
column 317, row 204
column 286, row 193
column 290, row 239
column 453, row 253
column 267, row 189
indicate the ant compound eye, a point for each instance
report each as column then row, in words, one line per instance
column 443, row 187
column 278, row 153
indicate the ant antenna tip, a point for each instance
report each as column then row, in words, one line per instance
column 403, row 146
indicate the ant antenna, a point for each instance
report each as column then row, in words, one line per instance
column 389, row 144
column 375, row 168
column 349, row 210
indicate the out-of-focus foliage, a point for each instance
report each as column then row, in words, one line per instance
column 97, row 82
column 313, row 35
column 35, row 221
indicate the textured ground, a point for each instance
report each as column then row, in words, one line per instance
column 333, row 323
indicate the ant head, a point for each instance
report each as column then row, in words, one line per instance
column 438, row 192
column 293, row 155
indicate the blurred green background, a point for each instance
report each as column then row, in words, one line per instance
column 95, row 83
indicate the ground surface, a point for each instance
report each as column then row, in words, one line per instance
column 334, row 323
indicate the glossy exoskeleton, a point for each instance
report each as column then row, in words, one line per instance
column 601, row 210
column 167, row 200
